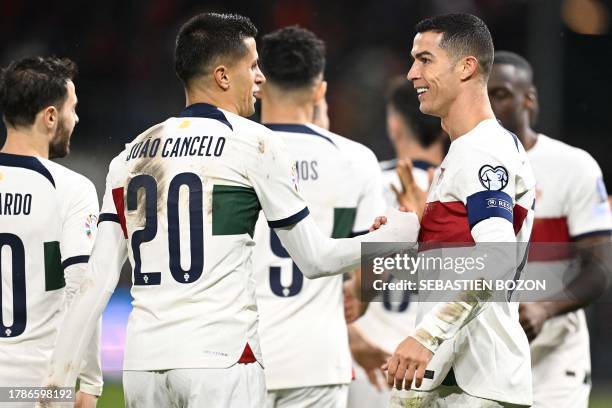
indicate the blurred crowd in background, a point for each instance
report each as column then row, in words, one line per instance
column 124, row 50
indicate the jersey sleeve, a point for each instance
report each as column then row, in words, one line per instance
column 80, row 223
column 588, row 209
column 371, row 200
column 486, row 186
column 113, row 203
column 274, row 178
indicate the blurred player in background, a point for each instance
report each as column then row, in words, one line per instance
column 484, row 363
column 48, row 217
column 302, row 327
column 182, row 200
column 571, row 206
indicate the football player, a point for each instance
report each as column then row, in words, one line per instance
column 302, row 321
column 572, row 206
column 453, row 55
column 48, row 221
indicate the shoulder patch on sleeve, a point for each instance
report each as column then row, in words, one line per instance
column 493, row 178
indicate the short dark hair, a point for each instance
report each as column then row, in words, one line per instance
column 292, row 57
column 206, row 37
column 31, row 84
column 463, row 35
column 402, row 98
column 511, row 58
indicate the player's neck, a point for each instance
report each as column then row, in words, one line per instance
column 203, row 95
column 527, row 136
column 466, row 112
column 283, row 111
column 26, row 143
column 412, row 151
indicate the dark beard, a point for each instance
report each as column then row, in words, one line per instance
column 60, row 145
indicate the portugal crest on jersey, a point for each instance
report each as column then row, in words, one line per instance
column 493, row 178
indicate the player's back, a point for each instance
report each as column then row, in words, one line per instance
column 188, row 192
column 40, row 237
column 294, row 310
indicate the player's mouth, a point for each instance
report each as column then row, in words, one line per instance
column 256, row 94
column 421, row 90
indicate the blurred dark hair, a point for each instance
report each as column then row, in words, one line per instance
column 292, row 57
column 206, row 37
column 463, row 35
column 29, row 85
column 511, row 58
column 402, row 97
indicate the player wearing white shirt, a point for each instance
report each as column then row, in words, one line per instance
column 302, row 321
column 389, row 320
column 48, row 217
column 571, row 206
column 181, row 201
column 482, row 192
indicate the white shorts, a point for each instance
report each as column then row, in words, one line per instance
column 362, row 394
column 239, row 386
column 559, row 390
column 325, row 396
column 442, row 397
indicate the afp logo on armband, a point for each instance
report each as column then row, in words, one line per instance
column 493, row 178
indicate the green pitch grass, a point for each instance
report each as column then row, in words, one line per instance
column 112, row 396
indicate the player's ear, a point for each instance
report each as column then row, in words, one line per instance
column 531, row 104
column 467, row 67
column 221, row 76
column 50, row 117
column 320, row 91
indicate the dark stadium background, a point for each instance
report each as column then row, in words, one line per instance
column 127, row 83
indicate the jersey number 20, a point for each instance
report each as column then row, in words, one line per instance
column 148, row 233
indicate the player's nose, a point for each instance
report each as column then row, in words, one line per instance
column 260, row 78
column 413, row 73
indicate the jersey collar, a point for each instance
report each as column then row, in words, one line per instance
column 205, row 110
column 296, row 128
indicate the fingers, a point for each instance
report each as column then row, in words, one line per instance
column 418, row 376
column 430, row 175
column 373, row 379
column 378, row 222
column 400, row 374
column 404, row 171
column 392, row 366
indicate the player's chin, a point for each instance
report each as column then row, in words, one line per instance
column 250, row 108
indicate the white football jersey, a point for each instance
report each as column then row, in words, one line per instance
column 571, row 203
column 302, row 326
column 485, row 175
column 48, row 221
column 187, row 193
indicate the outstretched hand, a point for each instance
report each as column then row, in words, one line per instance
column 411, row 198
column 407, row 363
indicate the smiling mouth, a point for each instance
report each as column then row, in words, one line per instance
column 422, row 90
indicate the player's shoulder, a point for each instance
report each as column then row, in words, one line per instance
column 355, row 150
column 241, row 125
column 65, row 178
column 565, row 155
column 489, row 140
